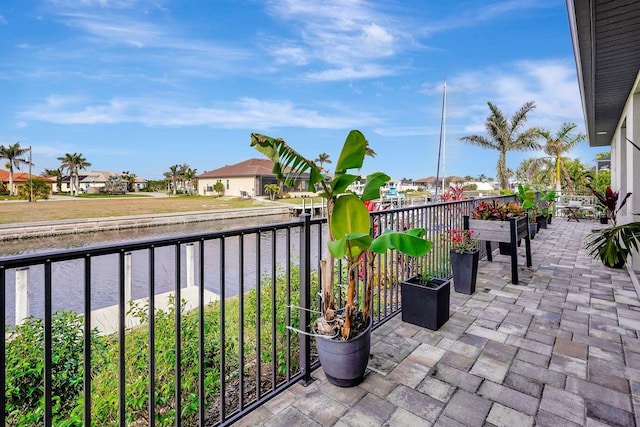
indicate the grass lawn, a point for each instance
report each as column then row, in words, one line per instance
column 22, row 211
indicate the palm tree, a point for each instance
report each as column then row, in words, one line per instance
column 506, row 135
column 74, row 163
column 173, row 176
column 368, row 151
column 54, row 173
column 13, row 153
column 322, row 159
column 558, row 144
column 535, row 171
column 130, row 178
column 189, row 176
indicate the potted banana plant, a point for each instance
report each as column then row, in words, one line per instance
column 343, row 333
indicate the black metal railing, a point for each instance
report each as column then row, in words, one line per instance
column 145, row 361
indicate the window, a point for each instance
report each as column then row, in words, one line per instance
column 227, row 184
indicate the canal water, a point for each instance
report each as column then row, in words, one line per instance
column 68, row 277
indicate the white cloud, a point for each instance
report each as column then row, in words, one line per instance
column 333, row 33
column 551, row 84
column 351, row 73
column 243, row 113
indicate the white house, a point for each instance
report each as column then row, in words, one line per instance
column 244, row 179
column 606, row 44
column 94, row 181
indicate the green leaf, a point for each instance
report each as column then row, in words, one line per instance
column 372, row 187
column 408, row 242
column 353, row 150
column 342, row 181
column 289, row 165
column 350, row 215
column 350, row 246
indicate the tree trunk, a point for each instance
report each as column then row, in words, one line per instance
column 11, row 180
column 502, row 170
column 348, row 308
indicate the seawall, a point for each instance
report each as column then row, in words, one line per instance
column 54, row 228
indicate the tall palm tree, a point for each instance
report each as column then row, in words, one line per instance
column 556, row 145
column 322, row 159
column 506, row 135
column 190, row 179
column 173, row 176
column 12, row 153
column 74, row 163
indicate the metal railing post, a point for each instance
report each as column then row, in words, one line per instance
column 305, row 298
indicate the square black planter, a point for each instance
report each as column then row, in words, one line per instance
column 543, row 221
column 425, row 303
column 465, row 271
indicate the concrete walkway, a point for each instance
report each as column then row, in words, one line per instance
column 561, row 348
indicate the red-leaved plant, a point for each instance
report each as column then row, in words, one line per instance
column 460, row 241
column 610, row 200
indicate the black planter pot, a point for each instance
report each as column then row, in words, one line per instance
column 504, row 248
column 543, row 221
column 549, row 218
column 465, row 271
column 604, row 220
column 344, row 362
column 425, row 304
column 533, row 227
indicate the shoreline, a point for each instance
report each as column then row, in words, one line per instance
column 20, row 231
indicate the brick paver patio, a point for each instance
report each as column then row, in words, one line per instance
column 561, row 348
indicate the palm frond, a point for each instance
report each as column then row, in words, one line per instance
column 289, row 165
column 480, row 141
column 612, row 245
column 519, row 118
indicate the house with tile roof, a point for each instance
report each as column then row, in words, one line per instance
column 95, row 181
column 244, row 179
column 21, row 178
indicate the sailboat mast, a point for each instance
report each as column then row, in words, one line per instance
column 442, row 139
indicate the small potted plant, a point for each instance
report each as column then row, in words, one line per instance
column 547, row 201
column 425, row 301
column 464, row 256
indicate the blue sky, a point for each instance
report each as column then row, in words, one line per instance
column 139, row 85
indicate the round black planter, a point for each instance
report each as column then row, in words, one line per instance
column 549, row 218
column 465, row 271
column 344, row 362
column 533, row 227
column 604, row 220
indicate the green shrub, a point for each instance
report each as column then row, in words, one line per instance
column 41, row 190
column 25, row 373
column 24, row 368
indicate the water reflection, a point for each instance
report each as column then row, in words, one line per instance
column 221, row 267
column 68, row 241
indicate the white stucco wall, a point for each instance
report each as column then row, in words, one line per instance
column 625, row 161
column 232, row 186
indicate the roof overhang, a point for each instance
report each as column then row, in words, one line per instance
column 606, row 43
